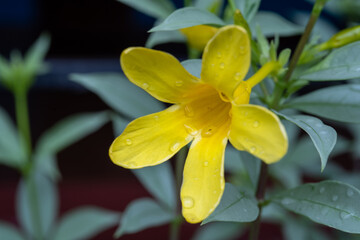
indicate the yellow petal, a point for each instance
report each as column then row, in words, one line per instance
column 158, row 73
column 198, row 36
column 151, row 140
column 226, row 59
column 203, row 182
column 258, row 131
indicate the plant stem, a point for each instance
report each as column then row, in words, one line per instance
column 187, row 3
column 175, row 228
column 260, row 192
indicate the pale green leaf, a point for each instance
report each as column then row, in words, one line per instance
column 188, row 17
column 218, row 230
column 329, row 202
column 234, row 207
column 341, row 103
column 119, row 123
column 35, row 55
column 119, row 93
column 323, row 136
column 84, row 222
column 159, row 181
column 193, row 66
column 141, row 214
column 154, row 8
column 341, row 64
column 248, row 8
column 8, row 231
column 252, row 166
column 157, row 38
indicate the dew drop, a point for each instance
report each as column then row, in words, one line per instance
column 322, row 190
column 349, row 192
column 237, row 76
column 175, row 147
column 188, row 202
column 132, row 165
column 256, row 124
column 334, row 198
column 253, row 149
column 222, row 65
column 218, row 55
column 145, row 85
column 179, row 83
column 245, row 210
column 214, row 192
column 190, row 130
column 206, row 164
column 345, row 215
column 189, row 112
column 128, row 142
column 156, row 117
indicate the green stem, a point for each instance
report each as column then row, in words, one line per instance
column 232, row 5
column 260, row 192
column 187, row 3
column 175, row 228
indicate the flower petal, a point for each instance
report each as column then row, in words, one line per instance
column 151, row 140
column 199, row 35
column 258, row 131
column 203, row 182
column 158, row 73
column 226, row 59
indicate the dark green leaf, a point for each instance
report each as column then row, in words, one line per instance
column 193, row 66
column 341, row 103
column 153, row 8
column 330, row 203
column 84, row 222
column 119, row 93
column 141, row 214
column 252, row 165
column 323, row 136
column 8, row 231
column 188, row 17
column 157, row 38
column 159, row 181
column 119, row 124
column 219, row 230
column 341, row 64
column 234, row 207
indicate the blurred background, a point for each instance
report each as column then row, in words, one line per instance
column 88, row 36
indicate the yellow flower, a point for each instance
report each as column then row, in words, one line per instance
column 207, row 111
column 198, row 36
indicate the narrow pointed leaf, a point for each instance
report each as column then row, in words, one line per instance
column 329, row 202
column 157, row 38
column 153, row 8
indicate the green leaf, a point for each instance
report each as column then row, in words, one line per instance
column 233, row 161
column 47, row 164
column 252, row 166
column 272, row 24
column 341, row 64
column 42, row 190
column 119, row 124
column 248, row 8
column 11, row 152
column 188, row 17
column 8, row 231
column 159, row 181
column 323, row 136
column 141, row 214
column 84, row 222
column 69, row 131
column 234, row 207
column 119, row 93
column 193, row 66
column 341, row 103
column 329, row 202
column 153, row 8
column 35, row 55
column 157, row 38
column 218, row 230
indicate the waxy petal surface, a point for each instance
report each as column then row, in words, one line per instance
column 151, row 140
column 158, row 73
column 258, row 131
column 199, row 35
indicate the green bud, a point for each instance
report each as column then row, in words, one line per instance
column 341, row 38
column 284, row 56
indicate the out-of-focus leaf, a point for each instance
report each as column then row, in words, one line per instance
column 141, row 214
column 84, row 222
column 218, row 230
column 157, row 38
column 11, row 152
column 252, row 165
column 248, row 8
column 188, row 17
column 341, row 103
column 69, row 131
column 341, row 64
column 35, row 56
column 193, row 66
column 42, row 191
column 296, row 229
column 159, row 181
column 233, row 162
column 154, row 8
column 323, row 136
column 119, row 124
column 234, row 207
column 329, row 202
column 119, row 93
column 272, row 24
column 47, row 165
column 8, row 231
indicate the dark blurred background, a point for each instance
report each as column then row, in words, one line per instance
column 86, row 36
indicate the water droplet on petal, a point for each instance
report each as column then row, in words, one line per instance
column 218, row 55
column 188, row 202
column 206, row 164
column 253, row 149
column 237, row 76
column 222, row 65
column 256, row 124
column 145, row 85
column 214, row 192
column 132, row 165
column 189, row 112
column 128, row 142
column 334, row 198
column 322, row 190
column 190, row 130
column 179, row 83
column 207, row 132
column 156, row 117
column 175, row 147
column 349, row 192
